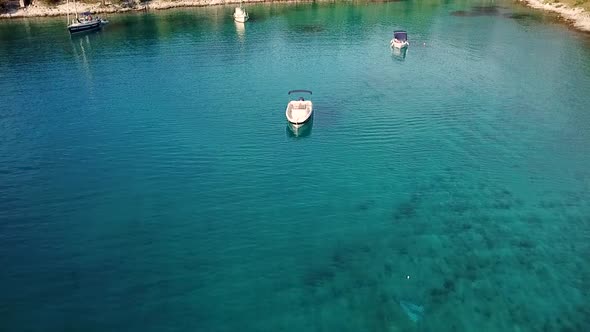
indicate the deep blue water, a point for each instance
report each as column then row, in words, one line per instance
column 149, row 180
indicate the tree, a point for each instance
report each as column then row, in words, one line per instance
column 3, row 5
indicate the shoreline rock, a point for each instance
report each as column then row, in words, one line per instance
column 36, row 10
column 576, row 16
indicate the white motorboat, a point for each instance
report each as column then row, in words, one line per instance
column 299, row 111
column 240, row 15
column 400, row 39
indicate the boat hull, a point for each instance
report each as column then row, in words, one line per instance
column 240, row 15
column 399, row 53
column 84, row 27
column 300, row 130
column 399, row 45
column 297, row 124
column 299, row 112
column 301, row 123
column 240, row 18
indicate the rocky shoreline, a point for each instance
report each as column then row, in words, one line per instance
column 577, row 17
column 39, row 10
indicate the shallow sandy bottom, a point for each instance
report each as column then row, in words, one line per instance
column 578, row 17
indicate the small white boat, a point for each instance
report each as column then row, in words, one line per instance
column 400, row 39
column 240, row 15
column 300, row 110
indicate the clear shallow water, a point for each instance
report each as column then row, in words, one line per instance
column 149, row 182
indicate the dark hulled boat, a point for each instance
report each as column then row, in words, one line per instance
column 86, row 23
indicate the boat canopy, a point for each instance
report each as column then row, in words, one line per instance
column 400, row 35
column 304, row 91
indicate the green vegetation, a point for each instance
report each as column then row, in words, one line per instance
column 582, row 3
column 574, row 3
column 4, row 4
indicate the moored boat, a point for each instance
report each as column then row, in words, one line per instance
column 241, row 15
column 299, row 111
column 86, row 23
column 400, row 39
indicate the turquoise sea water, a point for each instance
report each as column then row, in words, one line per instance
column 149, row 181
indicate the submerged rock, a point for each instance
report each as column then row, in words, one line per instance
column 478, row 11
column 309, row 28
column 414, row 311
column 485, row 10
column 460, row 13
